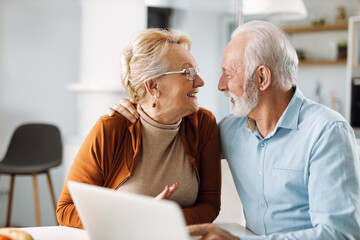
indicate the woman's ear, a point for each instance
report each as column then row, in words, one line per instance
column 264, row 78
column 151, row 87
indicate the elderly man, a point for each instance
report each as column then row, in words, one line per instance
column 295, row 163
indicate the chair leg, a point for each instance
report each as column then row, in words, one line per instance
column 36, row 196
column 8, row 215
column 51, row 192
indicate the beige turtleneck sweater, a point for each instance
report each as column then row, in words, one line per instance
column 162, row 162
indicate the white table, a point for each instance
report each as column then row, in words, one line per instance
column 56, row 233
column 68, row 233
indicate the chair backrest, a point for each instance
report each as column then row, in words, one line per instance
column 35, row 143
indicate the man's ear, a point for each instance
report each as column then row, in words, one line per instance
column 264, row 77
column 151, row 87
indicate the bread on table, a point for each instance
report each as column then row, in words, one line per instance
column 14, row 234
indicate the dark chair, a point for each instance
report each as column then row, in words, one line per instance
column 33, row 149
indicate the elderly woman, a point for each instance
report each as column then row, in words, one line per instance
column 173, row 143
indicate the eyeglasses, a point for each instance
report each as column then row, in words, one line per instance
column 189, row 72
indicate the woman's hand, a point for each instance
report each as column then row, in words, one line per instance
column 126, row 108
column 166, row 193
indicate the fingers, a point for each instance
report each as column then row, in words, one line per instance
column 129, row 105
column 164, row 193
column 210, row 231
column 172, row 189
column 125, row 112
column 199, row 229
column 125, row 108
column 168, row 191
column 110, row 112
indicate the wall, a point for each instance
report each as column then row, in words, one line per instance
column 39, row 56
column 325, row 84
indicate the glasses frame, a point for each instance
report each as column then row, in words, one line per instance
column 188, row 72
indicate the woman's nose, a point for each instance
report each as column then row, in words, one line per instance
column 198, row 81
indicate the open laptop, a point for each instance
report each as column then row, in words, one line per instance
column 109, row 215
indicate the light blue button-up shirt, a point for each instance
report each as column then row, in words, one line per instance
column 302, row 180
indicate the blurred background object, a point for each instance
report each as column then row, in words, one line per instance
column 341, row 14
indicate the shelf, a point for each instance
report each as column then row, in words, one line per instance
column 321, row 62
column 325, row 27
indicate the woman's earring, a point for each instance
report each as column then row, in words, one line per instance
column 155, row 101
column 156, row 96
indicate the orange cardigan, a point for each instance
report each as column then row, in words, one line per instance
column 111, row 150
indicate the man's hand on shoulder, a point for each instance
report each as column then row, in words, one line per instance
column 126, row 108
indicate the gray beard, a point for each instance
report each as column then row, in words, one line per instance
column 247, row 102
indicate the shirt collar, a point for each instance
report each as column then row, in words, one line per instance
column 290, row 117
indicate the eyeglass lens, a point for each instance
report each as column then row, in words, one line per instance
column 191, row 73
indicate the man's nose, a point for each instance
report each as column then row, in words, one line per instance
column 222, row 86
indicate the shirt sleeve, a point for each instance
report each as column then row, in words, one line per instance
column 86, row 168
column 207, row 205
column 333, row 188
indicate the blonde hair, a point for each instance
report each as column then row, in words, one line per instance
column 144, row 58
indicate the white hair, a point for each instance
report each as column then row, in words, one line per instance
column 269, row 46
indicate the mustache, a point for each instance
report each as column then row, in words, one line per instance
column 227, row 93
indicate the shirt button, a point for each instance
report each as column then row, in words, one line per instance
column 262, row 145
column 259, row 173
column 263, row 205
